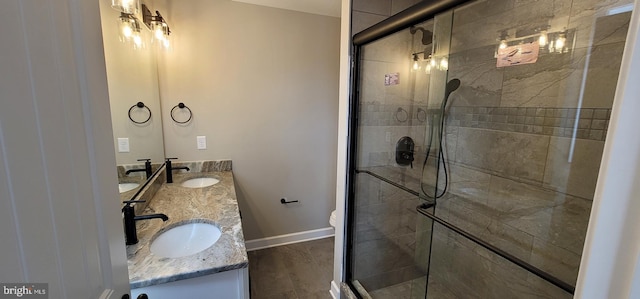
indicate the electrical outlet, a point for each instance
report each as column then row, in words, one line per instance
column 202, row 142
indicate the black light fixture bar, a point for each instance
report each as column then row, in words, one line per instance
column 148, row 18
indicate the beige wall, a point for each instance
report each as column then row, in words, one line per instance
column 133, row 77
column 263, row 87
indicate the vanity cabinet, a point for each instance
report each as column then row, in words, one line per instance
column 230, row 284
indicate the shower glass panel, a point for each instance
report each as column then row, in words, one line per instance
column 524, row 139
column 492, row 118
column 402, row 90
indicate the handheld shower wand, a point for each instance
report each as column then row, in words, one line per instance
column 452, row 86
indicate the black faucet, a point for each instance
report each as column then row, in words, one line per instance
column 169, row 169
column 130, row 218
column 146, row 169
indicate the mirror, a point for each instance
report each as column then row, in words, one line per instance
column 132, row 78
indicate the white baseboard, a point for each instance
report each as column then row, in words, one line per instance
column 335, row 290
column 289, row 238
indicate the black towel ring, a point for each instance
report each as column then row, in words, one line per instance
column 400, row 112
column 181, row 106
column 423, row 113
column 139, row 105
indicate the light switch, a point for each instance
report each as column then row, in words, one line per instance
column 202, row 142
column 123, row 145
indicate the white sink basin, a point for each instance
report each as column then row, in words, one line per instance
column 124, row 187
column 200, row 182
column 186, row 239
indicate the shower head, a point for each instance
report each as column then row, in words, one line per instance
column 452, row 86
column 427, row 35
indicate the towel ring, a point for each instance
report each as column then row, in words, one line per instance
column 139, row 105
column 181, row 106
column 400, row 112
column 423, row 113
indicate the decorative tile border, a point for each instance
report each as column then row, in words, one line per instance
column 376, row 114
column 592, row 123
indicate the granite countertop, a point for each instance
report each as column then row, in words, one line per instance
column 215, row 204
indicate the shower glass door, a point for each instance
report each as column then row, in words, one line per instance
column 399, row 107
column 478, row 140
column 524, row 136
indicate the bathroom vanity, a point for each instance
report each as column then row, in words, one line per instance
column 217, row 271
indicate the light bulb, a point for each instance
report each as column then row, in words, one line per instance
column 543, row 39
column 416, row 65
column 166, row 43
column 560, row 41
column 433, row 62
column 127, row 31
column 137, row 40
column 444, row 64
column 503, row 44
column 427, row 69
column 158, row 33
column 125, row 6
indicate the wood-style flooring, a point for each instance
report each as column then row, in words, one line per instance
column 295, row 271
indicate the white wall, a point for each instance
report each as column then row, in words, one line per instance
column 263, row 87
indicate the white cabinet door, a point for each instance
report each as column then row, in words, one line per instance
column 60, row 217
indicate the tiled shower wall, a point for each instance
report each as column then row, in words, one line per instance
column 543, row 123
column 524, row 143
column 387, row 113
column 369, row 12
column 517, row 122
column 533, row 131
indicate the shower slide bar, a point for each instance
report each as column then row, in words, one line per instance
column 422, row 209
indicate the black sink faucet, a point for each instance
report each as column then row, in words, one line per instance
column 146, row 169
column 169, row 169
column 130, row 218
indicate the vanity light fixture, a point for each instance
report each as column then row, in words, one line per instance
column 158, row 25
column 561, row 42
column 503, row 44
column 130, row 30
column 428, row 66
column 416, row 65
column 444, row 64
column 503, row 38
column 543, row 39
column 553, row 42
column 126, row 6
column 431, row 62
